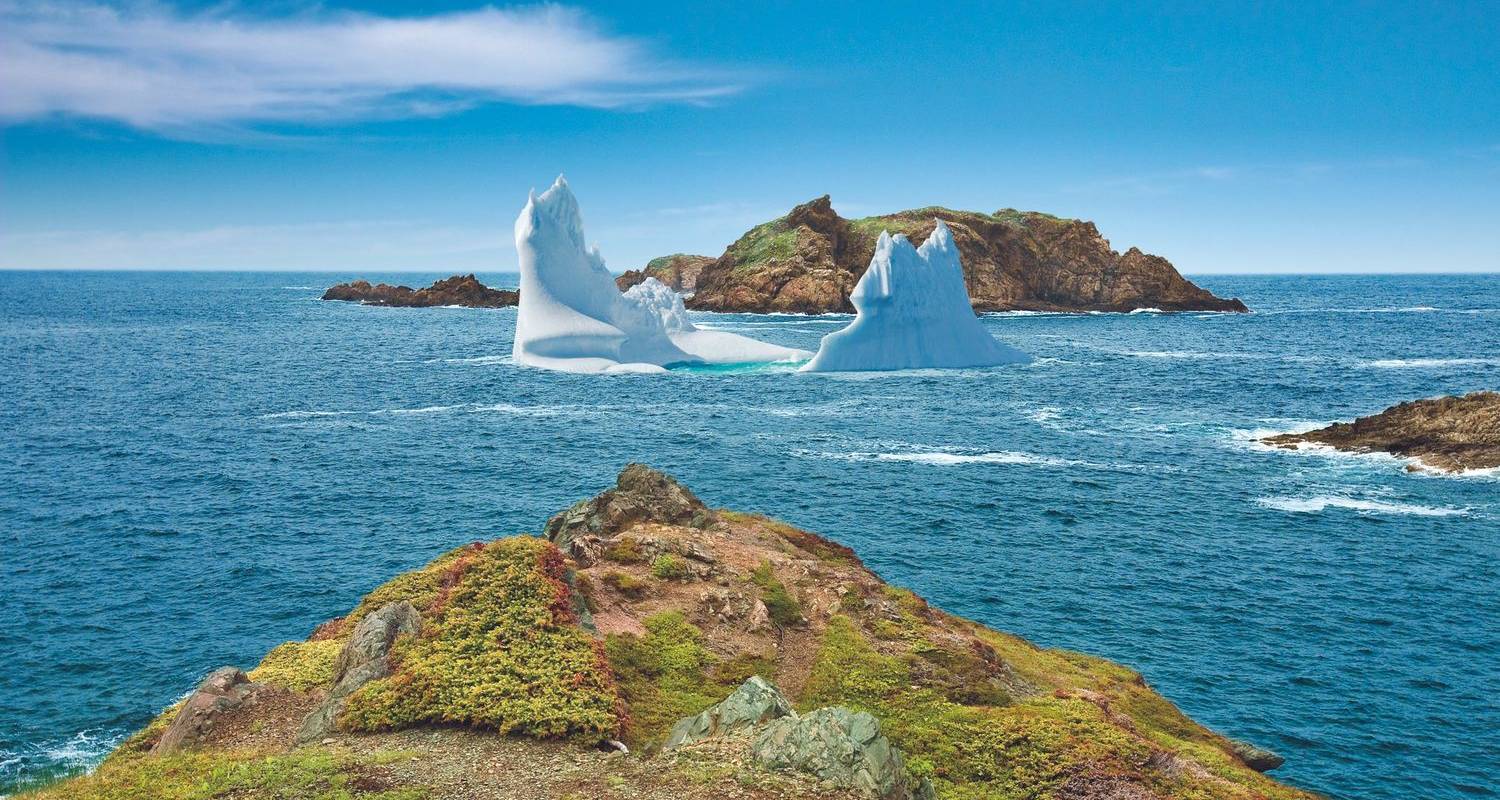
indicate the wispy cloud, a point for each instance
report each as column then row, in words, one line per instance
column 161, row 69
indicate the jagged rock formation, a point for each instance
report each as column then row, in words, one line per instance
column 224, row 690
column 678, row 271
column 641, row 494
column 755, row 702
column 810, row 260
column 1447, row 434
column 364, row 658
column 499, row 690
column 459, row 290
column 1257, row 758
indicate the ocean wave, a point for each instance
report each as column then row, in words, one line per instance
column 481, row 360
column 307, row 414
column 301, row 288
column 1428, row 363
column 82, row 750
column 1318, row 503
column 948, row 459
column 470, row 408
column 1146, row 311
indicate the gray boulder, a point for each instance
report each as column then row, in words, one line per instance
column 365, row 657
column 641, row 494
column 224, row 690
column 756, row 701
column 842, row 747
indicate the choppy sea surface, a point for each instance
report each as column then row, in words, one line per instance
column 196, row 467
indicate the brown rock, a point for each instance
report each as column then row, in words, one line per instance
column 1449, row 434
column 224, row 690
column 679, row 271
column 641, row 494
column 810, row 260
column 459, row 290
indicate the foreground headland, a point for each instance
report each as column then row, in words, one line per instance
column 1443, row 434
column 730, row 654
column 810, row 260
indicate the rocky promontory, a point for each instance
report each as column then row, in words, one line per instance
column 1446, row 434
column 459, row 290
column 809, row 260
column 678, row 271
column 648, row 646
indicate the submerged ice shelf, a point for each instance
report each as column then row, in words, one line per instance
column 913, row 313
column 572, row 317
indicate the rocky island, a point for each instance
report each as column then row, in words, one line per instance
column 1446, row 434
column 809, row 261
column 648, row 646
column 459, row 290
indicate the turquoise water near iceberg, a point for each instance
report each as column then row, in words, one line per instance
column 197, row 467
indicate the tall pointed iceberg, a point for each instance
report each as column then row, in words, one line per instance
column 572, row 316
column 914, row 313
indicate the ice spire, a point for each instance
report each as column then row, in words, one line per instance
column 913, row 312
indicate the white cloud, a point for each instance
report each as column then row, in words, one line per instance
column 157, row 68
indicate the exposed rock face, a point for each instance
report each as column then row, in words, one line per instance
column 840, row 747
column 459, row 290
column 678, row 271
column 1448, row 434
column 1256, row 758
column 844, row 748
column 641, row 494
column 756, row 701
column 224, row 690
column 365, row 657
column 810, row 260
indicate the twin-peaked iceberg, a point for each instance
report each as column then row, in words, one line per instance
column 572, row 317
column 914, row 313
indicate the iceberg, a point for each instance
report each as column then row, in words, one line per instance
column 913, row 313
column 572, row 317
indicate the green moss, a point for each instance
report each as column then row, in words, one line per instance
column 783, row 608
column 300, row 775
column 997, row 748
column 668, row 674
column 625, row 550
column 626, row 584
column 770, row 241
column 498, row 649
column 668, row 567
column 299, row 666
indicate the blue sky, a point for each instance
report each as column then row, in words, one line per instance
column 1297, row 137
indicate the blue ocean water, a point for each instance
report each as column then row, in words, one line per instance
column 200, row 466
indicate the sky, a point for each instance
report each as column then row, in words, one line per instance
column 1267, row 137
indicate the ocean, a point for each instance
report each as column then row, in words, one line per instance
column 198, row 466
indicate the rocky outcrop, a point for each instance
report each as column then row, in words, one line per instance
column 1256, row 758
column 841, row 748
column 364, row 658
column 224, row 690
column 755, row 702
column 1447, row 434
column 640, row 494
column 810, row 260
column 678, row 271
column 459, row 290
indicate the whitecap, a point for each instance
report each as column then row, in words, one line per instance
column 1318, row 503
column 307, row 414
column 1147, row 311
column 1427, row 363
